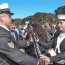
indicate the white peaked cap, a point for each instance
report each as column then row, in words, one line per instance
column 4, row 6
column 61, row 16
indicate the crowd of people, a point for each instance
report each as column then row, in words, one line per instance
column 32, row 43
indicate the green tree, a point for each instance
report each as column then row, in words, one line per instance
column 60, row 10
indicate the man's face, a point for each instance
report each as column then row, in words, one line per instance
column 61, row 25
column 12, row 26
column 6, row 19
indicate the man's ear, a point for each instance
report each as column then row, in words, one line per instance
column 1, row 18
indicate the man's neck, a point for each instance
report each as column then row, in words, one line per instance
column 4, row 27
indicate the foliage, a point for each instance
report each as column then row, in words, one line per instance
column 40, row 17
column 60, row 10
column 17, row 21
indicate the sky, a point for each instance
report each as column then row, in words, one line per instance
column 24, row 8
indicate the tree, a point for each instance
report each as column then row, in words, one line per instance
column 60, row 10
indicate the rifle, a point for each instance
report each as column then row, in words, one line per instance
column 35, row 41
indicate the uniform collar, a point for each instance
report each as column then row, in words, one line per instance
column 61, row 35
column 4, row 27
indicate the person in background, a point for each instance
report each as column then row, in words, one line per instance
column 13, row 32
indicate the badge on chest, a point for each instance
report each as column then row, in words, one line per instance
column 11, row 44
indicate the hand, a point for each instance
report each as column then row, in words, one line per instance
column 44, row 58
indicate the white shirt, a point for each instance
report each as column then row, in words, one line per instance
column 4, row 27
column 59, row 40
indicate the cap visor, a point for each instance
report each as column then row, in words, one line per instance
column 12, row 13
